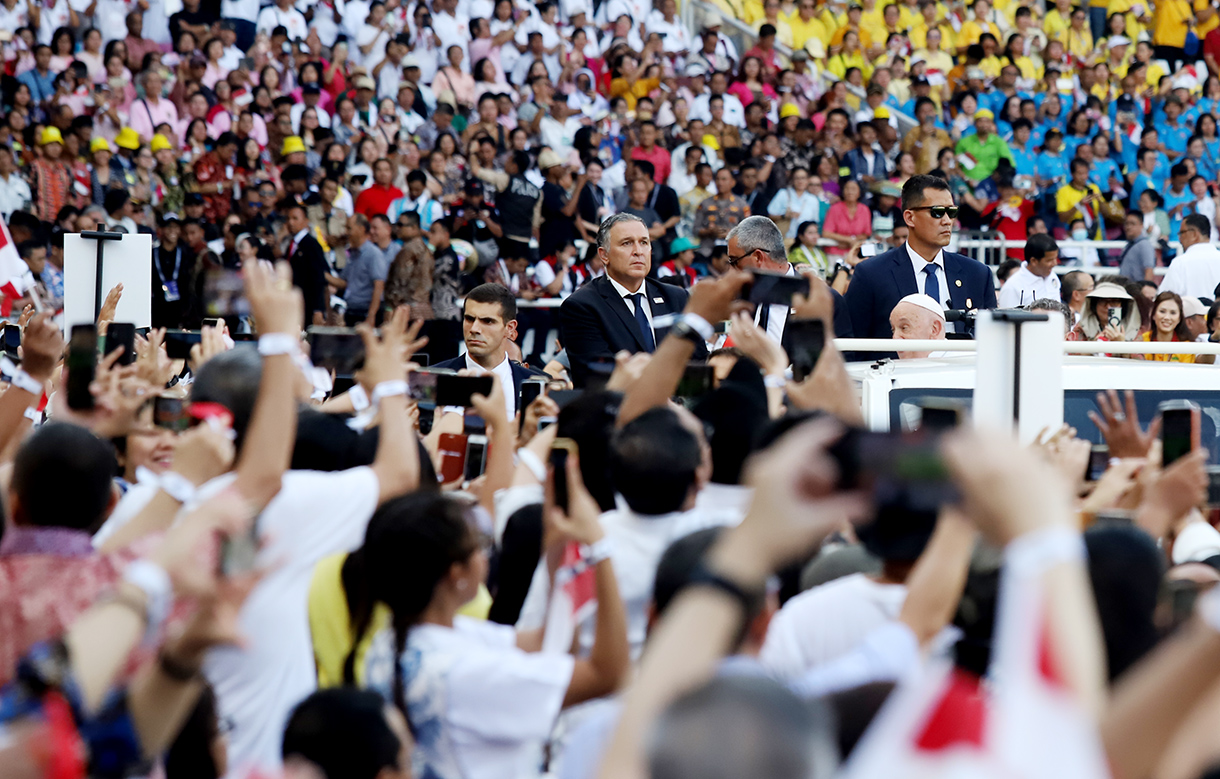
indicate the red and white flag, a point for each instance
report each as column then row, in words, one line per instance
column 573, row 599
column 15, row 276
column 1021, row 724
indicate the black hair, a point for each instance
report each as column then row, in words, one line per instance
column 115, row 199
column 190, row 756
column 653, row 460
column 677, row 566
column 1039, row 245
column 26, row 248
column 495, row 293
column 589, row 421
column 343, row 731
column 1199, row 223
column 57, row 454
column 409, row 546
column 295, row 173
column 646, row 167
column 231, row 379
column 913, row 190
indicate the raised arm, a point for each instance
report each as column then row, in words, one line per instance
column 712, row 301
column 397, row 461
column 278, row 309
column 501, row 442
column 41, row 348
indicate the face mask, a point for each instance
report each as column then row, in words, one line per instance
column 1080, row 234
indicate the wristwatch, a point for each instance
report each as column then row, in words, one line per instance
column 683, row 329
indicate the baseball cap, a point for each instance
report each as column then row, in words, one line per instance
column 1192, row 306
column 366, row 82
column 1118, row 40
column 549, row 159
column 975, row 72
column 681, row 245
column 983, row 113
column 410, row 61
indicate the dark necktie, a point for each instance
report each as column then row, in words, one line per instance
column 931, row 287
column 641, row 319
column 764, row 317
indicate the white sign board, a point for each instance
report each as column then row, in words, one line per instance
column 127, row 261
column 1020, row 381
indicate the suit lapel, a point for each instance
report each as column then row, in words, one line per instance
column 619, row 307
column 655, row 291
column 904, row 274
column 957, row 290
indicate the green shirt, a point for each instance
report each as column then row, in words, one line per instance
column 986, row 154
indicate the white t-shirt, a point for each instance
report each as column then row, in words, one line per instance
column 292, row 20
column 480, row 708
column 314, row 515
column 826, row 622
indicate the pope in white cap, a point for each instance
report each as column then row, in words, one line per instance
column 917, row 318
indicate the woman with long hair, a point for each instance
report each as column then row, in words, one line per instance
column 451, row 78
column 805, row 250
column 91, row 55
column 794, row 204
column 1167, row 325
column 213, row 51
column 195, row 142
column 424, row 558
column 63, row 49
column 1205, row 128
column 848, row 221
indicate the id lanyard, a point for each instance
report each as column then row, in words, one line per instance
column 170, row 288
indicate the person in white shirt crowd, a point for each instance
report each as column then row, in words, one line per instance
column 1036, row 278
column 1196, row 270
column 14, row 190
column 918, row 317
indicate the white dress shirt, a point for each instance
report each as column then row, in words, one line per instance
column 623, row 292
column 1195, row 271
column 1024, row 287
column 505, row 371
column 777, row 315
column 921, row 278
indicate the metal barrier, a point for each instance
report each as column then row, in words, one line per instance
column 990, row 248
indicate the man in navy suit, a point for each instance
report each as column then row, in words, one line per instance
column 489, row 319
column 308, row 262
column 618, row 311
column 919, row 266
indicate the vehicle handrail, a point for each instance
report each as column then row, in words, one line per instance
column 1069, row 347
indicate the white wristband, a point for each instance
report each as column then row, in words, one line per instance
column 275, row 344
column 531, row 461
column 358, row 397
column 154, row 582
column 774, row 381
column 596, row 552
column 34, row 415
column 24, row 381
column 700, row 326
column 388, row 389
column 1034, row 552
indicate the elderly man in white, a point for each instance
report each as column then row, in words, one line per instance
column 918, row 317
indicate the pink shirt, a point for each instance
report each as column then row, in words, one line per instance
column 145, row 115
column 838, row 221
column 746, row 95
column 659, row 158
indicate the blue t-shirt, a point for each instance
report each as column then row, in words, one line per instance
column 1101, row 172
column 1174, row 136
column 1171, row 200
column 1142, row 182
column 1026, row 162
column 1073, row 142
column 1052, row 167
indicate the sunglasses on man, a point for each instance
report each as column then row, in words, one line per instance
column 936, row 212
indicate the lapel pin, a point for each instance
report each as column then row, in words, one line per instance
column 969, row 303
column 658, row 300
column 958, row 283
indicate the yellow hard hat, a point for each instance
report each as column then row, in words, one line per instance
column 99, row 144
column 789, row 109
column 50, row 135
column 127, row 139
column 710, row 141
column 292, row 145
column 160, row 142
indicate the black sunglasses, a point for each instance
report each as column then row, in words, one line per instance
column 936, row 212
column 734, row 260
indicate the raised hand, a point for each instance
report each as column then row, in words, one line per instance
column 1120, row 425
column 42, row 345
column 275, row 304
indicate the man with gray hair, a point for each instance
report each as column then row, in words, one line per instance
column 756, row 244
column 620, row 310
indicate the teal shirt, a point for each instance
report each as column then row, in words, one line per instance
column 987, row 155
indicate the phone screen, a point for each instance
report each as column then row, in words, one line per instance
column 1099, row 461
column 531, row 389
column 774, row 289
column 12, row 340
column 82, row 366
column 559, row 470
column 170, row 413
column 452, row 390
column 476, row 456
column 122, row 334
column 178, row 343
column 807, row 339
column 421, row 386
column 452, row 448
column 338, row 349
column 696, row 381
column 1179, row 433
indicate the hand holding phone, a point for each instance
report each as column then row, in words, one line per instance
column 1180, row 429
column 82, row 367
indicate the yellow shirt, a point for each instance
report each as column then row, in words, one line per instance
column 1188, row 358
column 1118, row 72
column 840, row 63
column 991, row 66
column 1203, row 28
column 1171, row 22
column 937, row 60
column 330, row 622
column 753, row 11
column 804, row 30
column 632, row 92
column 783, row 31
column 866, row 38
column 830, row 22
column 1068, row 197
column 971, row 30
column 1028, row 69
column 1128, row 8
column 908, row 16
column 1055, row 26
column 1078, row 44
column 919, row 36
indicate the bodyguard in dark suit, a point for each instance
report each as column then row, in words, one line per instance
column 618, row 311
column 308, row 262
column 489, row 318
column 919, row 265
column 757, row 244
